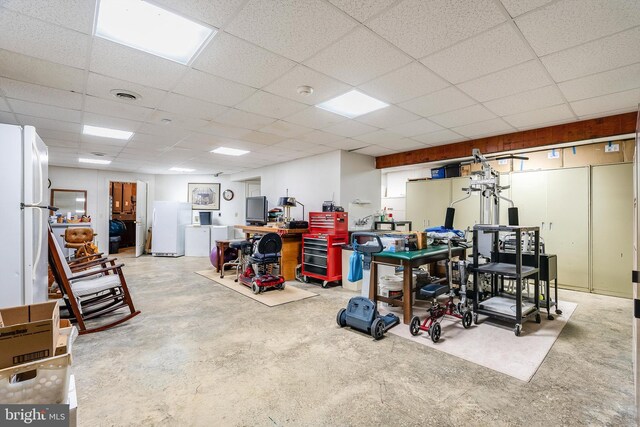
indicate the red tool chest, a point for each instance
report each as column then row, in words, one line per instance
column 322, row 247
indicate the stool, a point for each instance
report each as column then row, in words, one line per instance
column 433, row 290
column 238, row 245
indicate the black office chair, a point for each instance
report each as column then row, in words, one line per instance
column 266, row 250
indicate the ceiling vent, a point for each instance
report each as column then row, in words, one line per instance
column 96, row 153
column 125, row 95
column 305, row 90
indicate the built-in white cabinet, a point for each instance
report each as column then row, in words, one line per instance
column 611, row 230
column 427, row 202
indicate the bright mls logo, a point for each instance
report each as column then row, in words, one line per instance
column 34, row 415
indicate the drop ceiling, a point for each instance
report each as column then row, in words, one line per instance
column 451, row 70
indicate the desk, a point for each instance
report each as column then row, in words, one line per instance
column 291, row 246
column 408, row 260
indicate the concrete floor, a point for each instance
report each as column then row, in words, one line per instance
column 203, row 355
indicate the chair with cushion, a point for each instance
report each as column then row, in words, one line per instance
column 240, row 247
column 77, row 238
column 91, row 289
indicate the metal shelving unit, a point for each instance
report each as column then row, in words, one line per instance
column 503, row 306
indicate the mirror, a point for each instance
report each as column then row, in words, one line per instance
column 74, row 201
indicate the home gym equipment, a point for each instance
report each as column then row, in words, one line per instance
column 361, row 314
column 437, row 311
column 259, row 256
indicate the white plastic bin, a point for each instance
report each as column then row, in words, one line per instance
column 390, row 287
column 49, row 385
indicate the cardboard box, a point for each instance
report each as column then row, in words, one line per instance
column 417, row 238
column 62, row 346
column 593, row 154
column 502, row 166
column 540, row 160
column 28, row 333
column 465, row 170
column 629, row 150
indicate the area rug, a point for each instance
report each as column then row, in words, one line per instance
column 269, row 298
column 494, row 345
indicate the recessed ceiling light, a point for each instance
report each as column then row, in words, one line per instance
column 305, row 90
column 94, row 161
column 147, row 27
column 106, row 132
column 352, row 104
column 80, row 199
column 125, row 95
column 229, row 151
column 181, row 169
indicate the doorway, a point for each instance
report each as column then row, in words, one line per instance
column 127, row 218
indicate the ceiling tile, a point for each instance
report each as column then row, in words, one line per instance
column 3, row 104
column 523, row 77
column 438, row 102
column 89, row 148
column 213, row 89
column 270, row 105
column 38, row 71
column 212, row 12
column 263, row 138
column 320, row 137
column 159, row 118
column 439, row 137
column 235, row 59
column 122, row 62
column 59, row 135
column 286, row 129
column 153, row 142
column 518, row 7
column 123, row 109
column 349, row 128
column 362, row 9
column 388, row 116
column 422, row 27
column 24, row 35
column 347, row 144
column 379, row 137
column 165, row 132
column 538, row 118
column 8, row 118
column 417, row 127
column 294, row 144
column 324, row 87
column 73, row 14
column 600, row 55
column 489, row 127
column 277, row 26
column 464, row 116
column 568, row 23
column 45, row 111
column 219, row 129
column 358, row 57
column 243, row 119
column 374, row 150
column 402, row 144
column 627, row 100
column 490, row 51
column 101, row 86
column 319, row 149
column 526, row 101
column 196, row 108
column 42, row 123
column 316, row 118
column 50, row 142
column 605, row 83
column 41, row 94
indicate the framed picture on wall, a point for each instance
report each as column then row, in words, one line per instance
column 204, row 196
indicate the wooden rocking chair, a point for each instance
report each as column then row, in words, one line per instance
column 90, row 289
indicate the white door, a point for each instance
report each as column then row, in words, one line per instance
column 253, row 188
column 141, row 216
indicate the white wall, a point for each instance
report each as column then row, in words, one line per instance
column 311, row 180
column 96, row 183
column 360, row 181
column 174, row 188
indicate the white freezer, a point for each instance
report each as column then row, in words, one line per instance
column 170, row 220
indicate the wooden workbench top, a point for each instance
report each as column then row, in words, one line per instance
column 267, row 229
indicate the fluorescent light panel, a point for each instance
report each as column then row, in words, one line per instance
column 94, row 161
column 80, row 199
column 352, row 104
column 181, row 169
column 147, row 27
column 106, row 132
column 229, row 151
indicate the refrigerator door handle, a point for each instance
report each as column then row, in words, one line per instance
column 25, row 205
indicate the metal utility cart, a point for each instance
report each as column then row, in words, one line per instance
column 507, row 307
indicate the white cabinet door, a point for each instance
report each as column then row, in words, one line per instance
column 427, row 202
column 529, row 194
column 612, row 223
column 467, row 211
column 567, row 226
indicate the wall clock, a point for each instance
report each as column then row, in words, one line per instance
column 227, row 195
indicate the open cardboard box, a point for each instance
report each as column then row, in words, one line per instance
column 28, row 333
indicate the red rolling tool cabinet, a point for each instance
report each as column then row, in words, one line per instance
column 322, row 247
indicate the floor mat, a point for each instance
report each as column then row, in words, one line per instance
column 494, row 345
column 269, row 298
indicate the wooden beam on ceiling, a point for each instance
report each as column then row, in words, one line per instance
column 570, row 132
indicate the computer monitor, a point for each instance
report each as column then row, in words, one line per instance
column 256, row 210
column 205, row 218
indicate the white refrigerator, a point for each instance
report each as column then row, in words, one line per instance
column 24, row 214
column 170, row 219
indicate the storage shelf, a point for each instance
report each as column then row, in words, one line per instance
column 507, row 270
column 504, row 307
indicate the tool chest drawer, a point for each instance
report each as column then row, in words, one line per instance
column 332, row 223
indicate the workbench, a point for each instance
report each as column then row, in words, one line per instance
column 408, row 260
column 291, row 245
